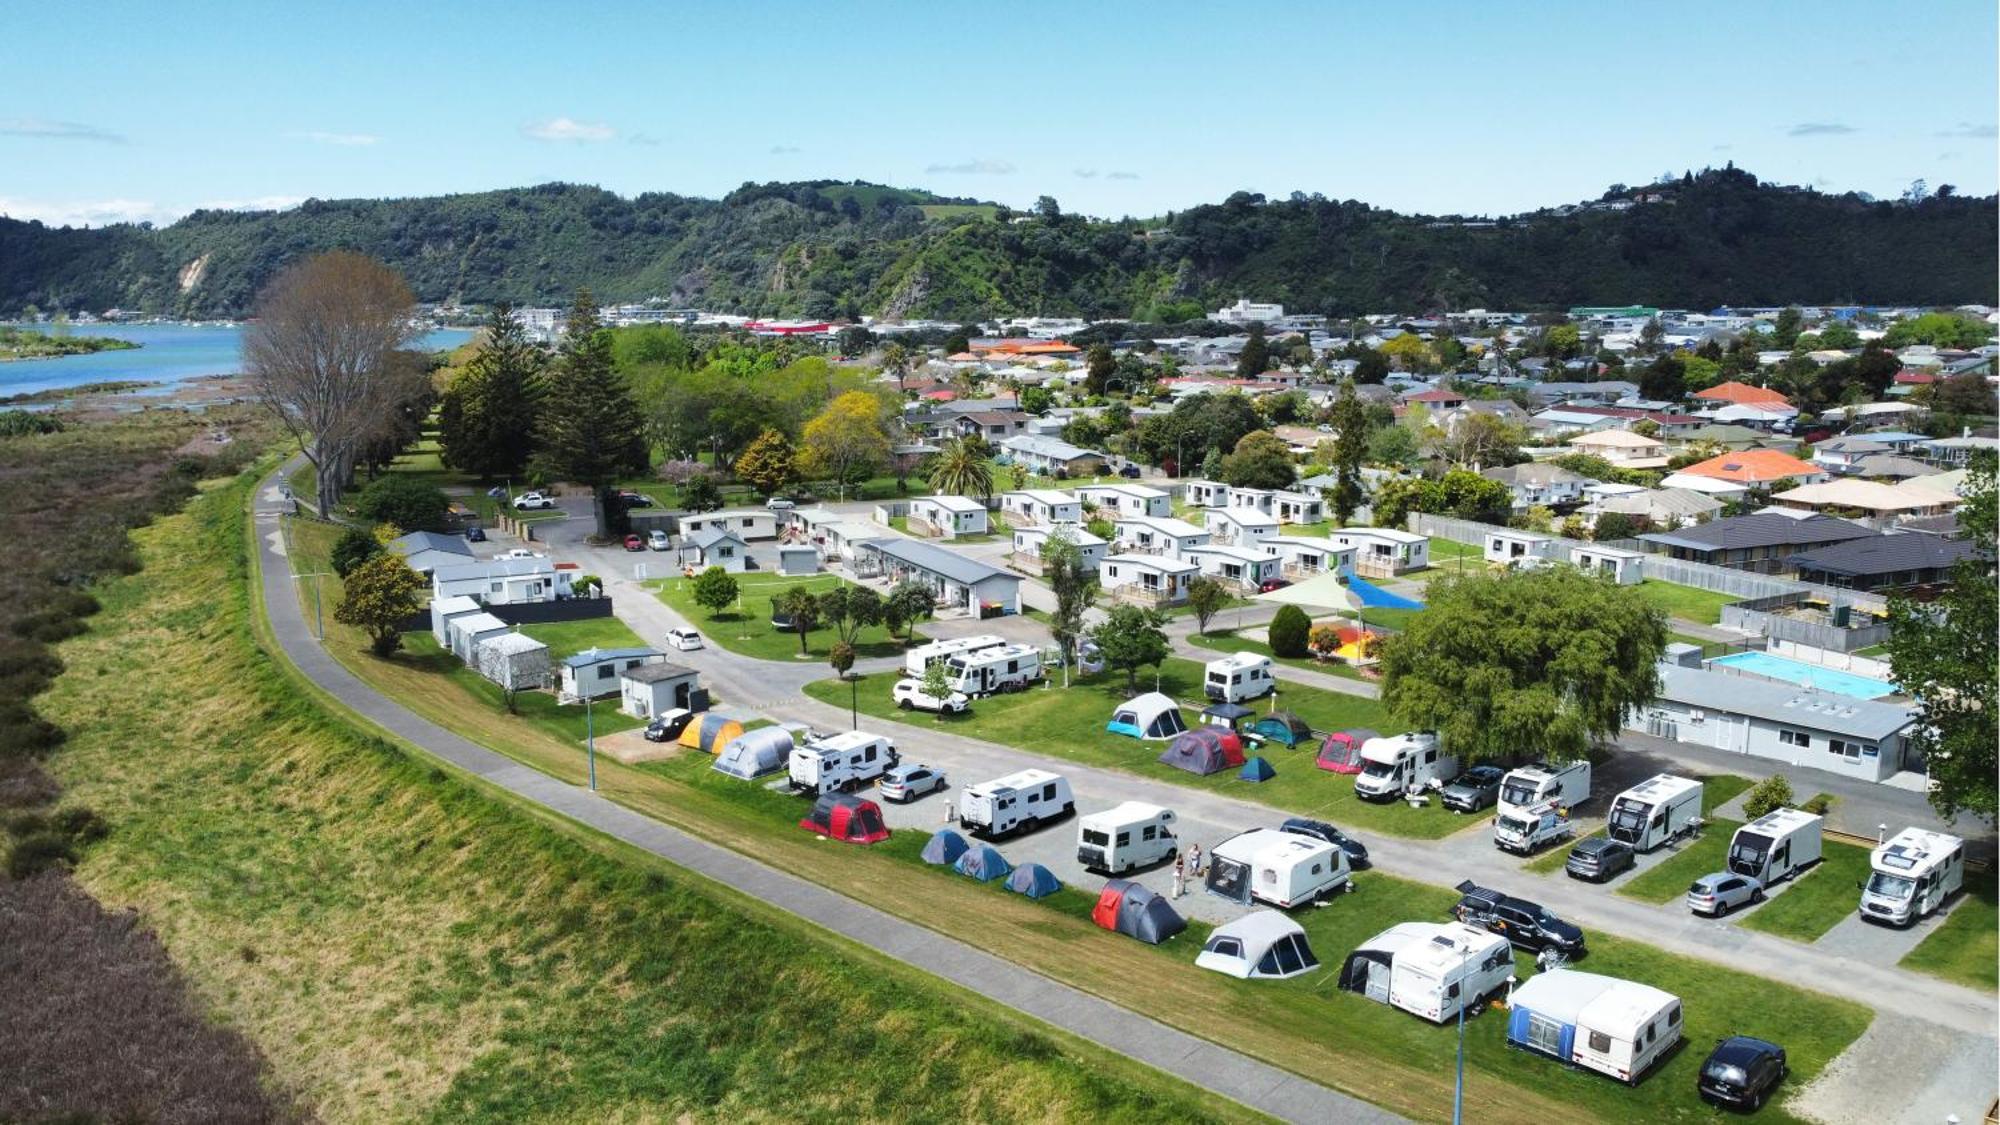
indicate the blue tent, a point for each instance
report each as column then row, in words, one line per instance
column 1256, row 769
column 1372, row 596
column 944, row 848
column 984, row 863
column 1033, row 880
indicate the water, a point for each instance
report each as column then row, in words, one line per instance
column 170, row 353
column 1810, row 675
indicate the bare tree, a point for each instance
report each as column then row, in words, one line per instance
column 322, row 355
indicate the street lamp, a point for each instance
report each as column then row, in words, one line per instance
column 853, row 702
column 319, row 620
column 1458, row 1089
column 590, row 726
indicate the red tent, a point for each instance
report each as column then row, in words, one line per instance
column 1341, row 752
column 845, row 817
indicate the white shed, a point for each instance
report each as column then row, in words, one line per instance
column 595, row 672
column 1626, row 568
column 466, row 631
column 651, row 690
column 1514, row 548
column 446, row 610
column 803, row 559
column 515, row 661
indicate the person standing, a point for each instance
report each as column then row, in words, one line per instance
column 1180, row 878
column 947, row 811
column 1194, row 860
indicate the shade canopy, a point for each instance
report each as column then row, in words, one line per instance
column 1322, row 592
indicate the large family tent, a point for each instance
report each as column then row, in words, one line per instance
column 711, row 734
column 1616, row 1027
column 1256, row 769
column 1151, row 715
column 1204, row 750
column 1033, row 880
column 1130, row 909
column 983, row 862
column 1341, row 752
column 1282, row 727
column 1263, row 944
column 944, row 849
column 847, row 818
column 755, row 753
column 1228, row 716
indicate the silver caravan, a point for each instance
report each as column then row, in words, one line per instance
column 1280, row 868
column 1567, row 786
column 844, row 761
column 1777, row 845
column 1019, row 802
column 1429, row 968
column 916, row 660
column 1911, row 875
column 1655, row 812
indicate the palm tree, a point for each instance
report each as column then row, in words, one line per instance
column 960, row 469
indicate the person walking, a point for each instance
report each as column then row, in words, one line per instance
column 1194, row 860
column 1180, row 878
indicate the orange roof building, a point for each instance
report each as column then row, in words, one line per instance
column 1756, row 466
column 1742, row 394
column 1020, row 346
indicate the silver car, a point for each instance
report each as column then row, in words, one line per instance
column 1722, row 892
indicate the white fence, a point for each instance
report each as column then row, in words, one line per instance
column 1840, row 661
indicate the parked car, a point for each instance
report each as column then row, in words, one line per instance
column 657, row 540
column 1741, row 1072
column 779, row 504
column 528, row 501
column 1270, row 584
column 475, row 535
column 1525, row 924
column 910, row 696
column 634, row 543
column 1722, row 892
column 668, row 726
column 1599, row 858
column 1130, row 472
column 635, row 499
column 908, row 782
column 1475, row 789
column 1357, row 852
column 686, row 640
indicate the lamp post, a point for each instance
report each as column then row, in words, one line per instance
column 590, row 728
column 1458, row 1088
column 853, row 703
column 319, row 619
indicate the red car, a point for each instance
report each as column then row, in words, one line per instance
column 1271, row 584
column 634, row 543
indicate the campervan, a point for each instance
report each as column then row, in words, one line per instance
column 1525, row 829
column 844, row 761
column 916, row 660
column 1657, row 811
column 1402, row 764
column 1019, row 802
column 1239, row 676
column 1566, row 785
column 1430, row 968
column 1614, row 1027
column 1911, row 875
column 1777, row 845
column 1280, row 868
column 1131, row 835
column 989, row 670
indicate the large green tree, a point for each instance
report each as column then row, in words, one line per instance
column 1350, row 449
column 487, row 418
column 1261, row 459
column 1097, row 368
column 960, row 468
column 1131, row 637
column 378, row 596
column 1255, row 358
column 591, row 429
column 1542, row 662
column 768, row 464
column 1075, row 588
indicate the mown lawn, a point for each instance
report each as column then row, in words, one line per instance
column 1694, row 858
column 1686, row 602
column 1966, row 948
column 567, row 638
column 1716, row 791
column 746, row 629
column 1240, row 642
column 1818, row 899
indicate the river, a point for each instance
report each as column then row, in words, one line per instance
column 169, row 354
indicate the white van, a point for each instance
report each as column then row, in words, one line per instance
column 916, row 660
column 1777, row 845
column 1019, row 802
column 1567, row 785
column 989, row 670
column 1911, row 875
column 1655, row 812
column 1524, row 830
column 1404, row 763
column 1239, row 677
column 844, row 761
column 1430, row 968
column 1279, row 868
column 1131, row 835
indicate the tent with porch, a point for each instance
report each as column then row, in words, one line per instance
column 1204, row 750
column 847, row 818
column 1263, row 944
column 1229, row 716
column 1127, row 908
column 711, row 734
column 755, row 753
column 1149, row 716
column 1341, row 752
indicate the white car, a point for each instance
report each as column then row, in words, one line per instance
column 530, row 500
column 779, row 504
column 910, row 696
column 908, row 782
column 686, row 640
column 657, row 540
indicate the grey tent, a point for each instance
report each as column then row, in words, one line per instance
column 944, row 849
column 755, row 753
column 984, row 863
column 1130, row 909
column 1204, row 750
column 1033, row 880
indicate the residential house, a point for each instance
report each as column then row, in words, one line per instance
column 1885, row 562
column 425, row 551
column 749, row 524
column 1763, row 542
column 1503, row 409
column 1626, row 568
column 1040, row 506
column 1384, row 551
column 1146, row 579
column 1734, row 393
column 1731, row 438
column 1245, row 569
column 503, row 581
column 1561, row 421
column 1052, row 456
column 1902, row 442
column 1299, row 556
column 1538, row 483
column 1623, row 448
column 1605, row 391
column 1732, row 473
column 1873, row 499
column 1115, row 500
column 1844, row 455
column 1660, row 507
column 1511, row 547
column 947, row 516
column 958, row 583
column 594, row 673
column 1205, row 493
column 1028, row 542
column 1892, row 467
column 1282, row 504
column 1674, row 426
column 1953, row 452
column 1782, row 722
column 715, row 546
column 1238, row 526
column 1435, row 399
column 1157, row 535
column 651, row 690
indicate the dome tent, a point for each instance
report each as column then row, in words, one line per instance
column 1262, row 943
column 847, row 818
column 1256, row 769
column 1282, row 727
column 1341, row 752
column 1126, row 907
column 1033, row 880
column 983, row 862
column 1150, row 716
column 755, row 753
column 1204, row 750
column 711, row 734
column 944, row 849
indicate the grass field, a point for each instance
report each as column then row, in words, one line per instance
column 1240, row 642
column 1818, row 899
column 1966, row 948
column 746, row 628
column 1693, row 859
column 1686, row 602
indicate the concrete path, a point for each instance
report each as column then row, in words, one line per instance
column 1258, row 1085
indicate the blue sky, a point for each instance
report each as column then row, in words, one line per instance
column 146, row 111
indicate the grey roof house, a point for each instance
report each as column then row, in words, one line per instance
column 1884, row 562
column 1860, row 738
column 1762, row 541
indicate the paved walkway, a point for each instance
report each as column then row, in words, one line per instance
column 1258, row 1085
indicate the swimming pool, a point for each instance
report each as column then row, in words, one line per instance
column 1811, row 675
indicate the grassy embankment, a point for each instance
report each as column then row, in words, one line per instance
column 745, row 628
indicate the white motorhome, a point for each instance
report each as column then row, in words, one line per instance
column 1657, row 811
column 1911, row 875
column 843, row 761
column 916, row 660
column 1403, row 763
column 1018, row 802
column 1615, row 1027
column 1280, row 868
column 1237, row 677
column 1538, row 783
column 1430, row 968
column 989, row 670
column 1130, row 835
column 1777, row 845
column 1525, row 829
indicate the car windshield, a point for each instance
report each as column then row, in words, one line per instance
column 1514, row 824
column 1890, row 886
column 1518, row 793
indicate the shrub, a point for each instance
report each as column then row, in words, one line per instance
column 1324, row 640
column 1290, row 630
column 1773, row 792
column 32, row 855
column 353, row 548
column 405, row 501
column 1819, row 804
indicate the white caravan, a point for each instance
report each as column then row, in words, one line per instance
column 844, row 761
column 1404, row 763
column 916, row 660
column 1280, row 868
column 1912, row 873
column 989, row 670
column 1239, row 677
column 1131, row 835
column 1615, row 1027
column 1566, row 785
column 1655, row 812
column 1777, row 845
column 1429, row 968
column 1527, row 829
column 1018, row 802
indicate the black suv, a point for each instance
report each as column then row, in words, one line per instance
column 1357, row 852
column 1741, row 1072
column 1523, row 923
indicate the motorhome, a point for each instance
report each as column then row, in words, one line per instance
column 1567, row 785
column 1615, row 1027
column 1911, row 875
column 916, row 660
column 989, row 670
column 1238, row 677
column 1279, row 868
column 1403, row 763
column 1777, row 845
column 1526, row 829
column 1429, row 968
column 1128, row 836
column 841, row 762
column 1019, row 802
column 1655, row 812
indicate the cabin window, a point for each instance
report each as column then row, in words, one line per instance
column 1600, row 1042
column 1150, row 833
column 1794, row 738
column 869, row 755
column 1315, row 868
column 1270, row 874
column 605, row 671
column 1124, row 838
column 1673, row 1015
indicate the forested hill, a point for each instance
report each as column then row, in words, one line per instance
column 827, row 249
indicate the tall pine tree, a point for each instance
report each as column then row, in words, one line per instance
column 591, row 430
column 487, row 419
column 1350, row 447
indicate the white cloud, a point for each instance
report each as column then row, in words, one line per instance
column 85, row 212
column 346, row 140
column 259, row 203
column 56, row 130
column 1974, row 132
column 784, row 150
column 565, row 129
column 1084, row 173
column 1121, row 175
column 643, row 139
column 1819, row 129
column 973, row 168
